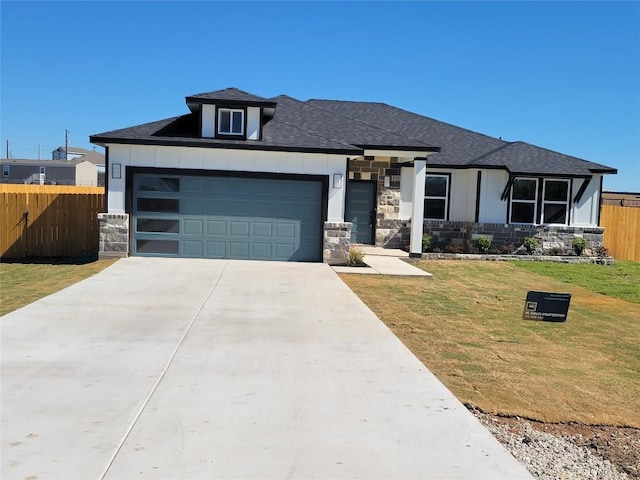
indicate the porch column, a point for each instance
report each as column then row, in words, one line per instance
column 417, row 214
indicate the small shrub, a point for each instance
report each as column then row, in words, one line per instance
column 483, row 244
column 579, row 244
column 601, row 251
column 355, row 257
column 530, row 244
column 426, row 242
column 557, row 251
column 506, row 249
column 454, row 248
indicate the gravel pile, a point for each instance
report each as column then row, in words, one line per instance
column 548, row 457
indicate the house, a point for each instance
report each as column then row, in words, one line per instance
column 85, row 169
column 242, row 176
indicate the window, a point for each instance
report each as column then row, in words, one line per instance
column 42, row 170
column 230, row 122
column 555, row 201
column 5, row 170
column 436, row 197
column 523, row 200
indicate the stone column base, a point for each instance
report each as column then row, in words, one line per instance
column 114, row 235
column 336, row 241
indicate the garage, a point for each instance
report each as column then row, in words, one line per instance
column 267, row 217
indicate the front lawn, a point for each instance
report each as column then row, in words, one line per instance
column 466, row 326
column 621, row 280
column 23, row 283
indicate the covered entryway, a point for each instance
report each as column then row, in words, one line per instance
column 266, row 218
column 361, row 210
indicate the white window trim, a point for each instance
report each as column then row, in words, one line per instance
column 435, row 197
column 43, row 170
column 534, row 201
column 554, row 202
column 231, row 112
column 6, row 170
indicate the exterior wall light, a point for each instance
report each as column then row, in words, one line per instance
column 116, row 170
column 337, row 180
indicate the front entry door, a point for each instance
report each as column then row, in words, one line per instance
column 361, row 210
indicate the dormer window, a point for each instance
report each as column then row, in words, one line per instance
column 230, row 121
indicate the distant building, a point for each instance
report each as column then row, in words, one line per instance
column 84, row 168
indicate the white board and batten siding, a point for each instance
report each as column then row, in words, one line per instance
column 585, row 212
column 462, row 190
column 191, row 158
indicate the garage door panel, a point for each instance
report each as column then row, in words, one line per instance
column 192, row 248
column 191, row 206
column 216, row 227
column 286, row 230
column 193, row 185
column 238, row 228
column 262, row 229
column 192, row 226
column 228, row 217
column 261, row 251
column 216, row 249
column 239, row 250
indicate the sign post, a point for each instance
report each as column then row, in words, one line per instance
column 547, row 306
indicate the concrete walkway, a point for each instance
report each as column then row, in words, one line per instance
column 384, row 261
column 199, row 369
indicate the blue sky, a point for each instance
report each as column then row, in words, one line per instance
column 561, row 75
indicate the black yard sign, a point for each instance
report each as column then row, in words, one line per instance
column 548, row 306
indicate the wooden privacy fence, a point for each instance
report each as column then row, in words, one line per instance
column 621, row 231
column 49, row 220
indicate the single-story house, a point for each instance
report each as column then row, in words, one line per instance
column 242, row 176
column 84, row 168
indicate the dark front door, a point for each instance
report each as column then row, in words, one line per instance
column 361, row 210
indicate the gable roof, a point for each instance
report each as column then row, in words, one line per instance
column 345, row 127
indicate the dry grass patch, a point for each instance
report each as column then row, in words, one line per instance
column 466, row 326
column 24, row 283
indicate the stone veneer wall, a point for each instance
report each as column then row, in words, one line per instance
column 553, row 239
column 114, row 235
column 336, row 242
column 391, row 232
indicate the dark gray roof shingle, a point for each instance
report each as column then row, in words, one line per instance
column 461, row 147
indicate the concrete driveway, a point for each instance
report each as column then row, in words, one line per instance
column 193, row 369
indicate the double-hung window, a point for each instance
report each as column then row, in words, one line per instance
column 555, row 201
column 436, row 197
column 524, row 200
column 230, row 121
column 5, row 170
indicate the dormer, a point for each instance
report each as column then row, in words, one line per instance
column 231, row 114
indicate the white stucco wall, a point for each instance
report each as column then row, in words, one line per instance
column 585, row 212
column 225, row 159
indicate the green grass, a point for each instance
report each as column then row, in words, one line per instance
column 466, row 326
column 24, row 283
column 621, row 280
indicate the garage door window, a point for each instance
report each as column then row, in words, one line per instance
column 161, row 205
column 157, row 225
column 157, row 246
column 159, row 184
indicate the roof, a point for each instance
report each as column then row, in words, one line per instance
column 93, row 157
column 27, row 162
column 346, row 127
column 464, row 148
